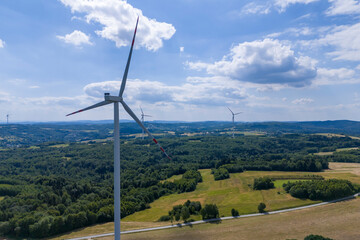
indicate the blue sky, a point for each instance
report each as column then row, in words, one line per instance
column 282, row 60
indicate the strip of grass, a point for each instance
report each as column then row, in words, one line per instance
column 173, row 178
column 59, row 145
column 33, row 147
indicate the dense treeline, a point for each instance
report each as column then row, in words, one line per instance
column 51, row 189
column 352, row 156
column 321, row 189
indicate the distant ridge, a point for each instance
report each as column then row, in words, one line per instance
column 29, row 133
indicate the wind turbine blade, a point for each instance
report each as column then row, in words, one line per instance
column 147, row 115
column 132, row 114
column 123, row 83
column 237, row 113
column 142, row 112
column 91, row 107
column 230, row 110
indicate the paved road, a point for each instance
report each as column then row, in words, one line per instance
column 217, row 219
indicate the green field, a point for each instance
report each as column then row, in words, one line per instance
column 337, row 150
column 230, row 193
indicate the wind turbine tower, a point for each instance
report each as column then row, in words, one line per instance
column 7, row 118
column 143, row 120
column 108, row 99
column 233, row 120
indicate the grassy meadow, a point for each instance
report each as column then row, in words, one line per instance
column 235, row 192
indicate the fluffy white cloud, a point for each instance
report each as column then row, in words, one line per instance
column 303, row 101
column 76, row 38
column 265, row 61
column 283, row 4
column 197, row 91
column 255, row 8
column 301, row 31
column 4, row 97
column 335, row 76
column 2, row 43
column 118, row 20
column 265, row 7
column 346, row 40
column 339, row 7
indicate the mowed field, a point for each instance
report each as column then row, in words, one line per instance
column 230, row 193
column 236, row 193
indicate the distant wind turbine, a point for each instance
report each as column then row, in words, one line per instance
column 233, row 120
column 116, row 100
column 7, row 118
column 143, row 120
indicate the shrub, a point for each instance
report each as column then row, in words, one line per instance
column 261, row 207
column 221, row 173
column 164, row 218
column 316, row 237
column 263, row 183
column 234, row 212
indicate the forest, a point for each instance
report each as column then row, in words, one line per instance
column 27, row 134
column 52, row 188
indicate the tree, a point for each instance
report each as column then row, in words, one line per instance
column 209, row 211
column 177, row 216
column 5, row 228
column 234, row 212
column 261, row 207
column 185, row 213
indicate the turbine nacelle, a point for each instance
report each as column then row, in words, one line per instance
column 110, row 98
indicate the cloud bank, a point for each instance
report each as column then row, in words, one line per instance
column 265, row 61
column 195, row 91
column 340, row 7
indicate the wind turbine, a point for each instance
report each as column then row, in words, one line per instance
column 116, row 100
column 143, row 119
column 7, row 118
column 233, row 120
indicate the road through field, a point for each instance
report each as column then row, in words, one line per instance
column 216, row 220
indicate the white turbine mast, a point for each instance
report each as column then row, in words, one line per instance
column 116, row 100
column 233, row 120
column 7, row 118
column 143, row 120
